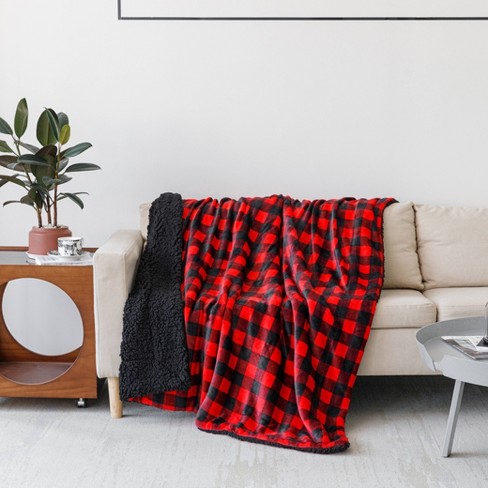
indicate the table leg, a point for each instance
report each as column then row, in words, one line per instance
column 457, row 396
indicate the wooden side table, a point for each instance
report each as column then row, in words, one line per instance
column 24, row 373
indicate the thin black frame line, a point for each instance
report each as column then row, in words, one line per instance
column 327, row 19
column 345, row 19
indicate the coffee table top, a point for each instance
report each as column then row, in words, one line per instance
column 440, row 356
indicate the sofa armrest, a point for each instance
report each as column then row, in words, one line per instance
column 114, row 268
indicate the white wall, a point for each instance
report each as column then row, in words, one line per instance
column 310, row 109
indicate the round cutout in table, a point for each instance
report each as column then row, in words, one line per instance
column 41, row 317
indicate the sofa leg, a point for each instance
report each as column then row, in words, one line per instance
column 114, row 398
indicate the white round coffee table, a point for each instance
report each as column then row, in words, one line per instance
column 440, row 356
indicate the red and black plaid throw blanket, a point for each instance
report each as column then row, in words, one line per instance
column 278, row 297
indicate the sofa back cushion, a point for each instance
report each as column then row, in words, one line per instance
column 144, row 218
column 401, row 260
column 452, row 245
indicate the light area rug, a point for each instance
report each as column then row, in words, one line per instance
column 396, row 426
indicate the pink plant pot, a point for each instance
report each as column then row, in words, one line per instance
column 45, row 239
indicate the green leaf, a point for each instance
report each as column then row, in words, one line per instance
column 82, row 167
column 63, row 119
column 64, row 179
column 48, row 155
column 4, row 147
column 40, row 190
column 36, row 196
column 29, row 147
column 5, row 128
column 53, row 122
column 10, row 202
column 27, row 200
column 63, row 163
column 45, row 135
column 47, row 152
column 15, row 166
column 41, row 172
column 21, row 118
column 50, row 182
column 75, row 150
column 6, row 160
column 65, row 134
column 33, row 160
column 12, row 179
column 74, row 198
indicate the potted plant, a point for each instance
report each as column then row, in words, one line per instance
column 42, row 171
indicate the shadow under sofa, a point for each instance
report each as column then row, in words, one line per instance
column 436, row 268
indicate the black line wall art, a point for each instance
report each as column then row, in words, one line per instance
column 315, row 10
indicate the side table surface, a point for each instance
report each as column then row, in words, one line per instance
column 440, row 356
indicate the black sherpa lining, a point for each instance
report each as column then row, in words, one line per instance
column 153, row 351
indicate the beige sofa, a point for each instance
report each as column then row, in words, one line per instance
column 436, row 268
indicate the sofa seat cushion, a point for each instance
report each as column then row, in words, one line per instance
column 392, row 352
column 403, row 309
column 452, row 303
column 402, row 269
column 452, row 245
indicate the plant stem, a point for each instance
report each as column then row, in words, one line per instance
column 18, row 154
column 48, row 212
column 39, row 217
column 55, row 199
column 56, row 206
column 17, row 145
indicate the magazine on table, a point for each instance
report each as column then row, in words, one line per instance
column 86, row 259
column 470, row 345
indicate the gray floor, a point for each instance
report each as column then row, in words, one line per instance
column 395, row 426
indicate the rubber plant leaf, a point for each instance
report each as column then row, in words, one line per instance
column 12, row 179
column 63, row 163
column 4, row 147
column 73, row 197
column 6, row 160
column 63, row 179
column 63, row 119
column 75, row 150
column 5, row 128
column 21, row 118
column 29, row 147
column 27, row 200
column 82, row 167
column 53, row 122
column 45, row 135
column 64, row 134
column 33, row 160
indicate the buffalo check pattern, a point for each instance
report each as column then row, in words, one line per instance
column 279, row 295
